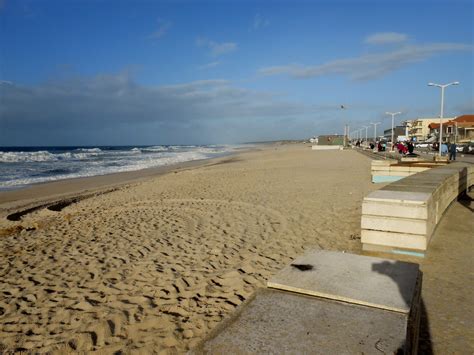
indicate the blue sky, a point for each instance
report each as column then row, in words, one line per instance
column 182, row 72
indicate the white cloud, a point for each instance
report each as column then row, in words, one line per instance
column 115, row 108
column 216, row 49
column 386, row 38
column 259, row 22
column 368, row 66
column 209, row 65
column 107, row 100
column 163, row 27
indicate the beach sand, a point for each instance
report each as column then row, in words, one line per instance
column 155, row 264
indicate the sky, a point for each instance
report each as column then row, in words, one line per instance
column 99, row 72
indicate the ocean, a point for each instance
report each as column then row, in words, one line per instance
column 23, row 166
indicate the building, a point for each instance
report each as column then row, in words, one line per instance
column 419, row 130
column 398, row 131
column 460, row 129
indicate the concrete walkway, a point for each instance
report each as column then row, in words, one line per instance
column 448, row 283
column 447, row 324
column 447, row 315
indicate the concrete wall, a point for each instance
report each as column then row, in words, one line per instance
column 402, row 216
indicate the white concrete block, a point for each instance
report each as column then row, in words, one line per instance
column 393, row 172
column 399, row 240
column 382, row 208
column 326, row 147
column 416, row 169
column 369, row 281
column 383, row 162
column 399, row 197
column 393, row 224
column 380, row 168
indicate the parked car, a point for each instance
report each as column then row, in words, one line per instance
column 468, row 149
column 460, row 147
column 422, row 145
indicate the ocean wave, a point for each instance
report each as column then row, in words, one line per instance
column 14, row 157
column 43, row 156
column 73, row 164
column 89, row 150
column 158, row 148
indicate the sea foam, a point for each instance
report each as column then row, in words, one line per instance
column 25, row 167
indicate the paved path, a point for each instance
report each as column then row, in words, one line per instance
column 428, row 155
column 448, row 283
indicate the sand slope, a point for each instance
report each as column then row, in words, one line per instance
column 155, row 265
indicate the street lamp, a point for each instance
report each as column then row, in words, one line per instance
column 393, row 115
column 442, row 109
column 375, row 130
column 366, row 143
column 346, row 130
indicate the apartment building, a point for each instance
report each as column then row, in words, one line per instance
column 461, row 129
column 419, row 128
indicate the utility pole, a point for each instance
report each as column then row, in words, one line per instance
column 393, row 130
column 345, row 128
column 442, row 87
column 375, row 130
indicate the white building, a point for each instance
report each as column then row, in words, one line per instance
column 419, row 128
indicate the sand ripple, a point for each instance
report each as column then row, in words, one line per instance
column 151, row 273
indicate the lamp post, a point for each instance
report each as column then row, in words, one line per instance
column 346, row 130
column 442, row 109
column 393, row 115
column 346, row 134
column 366, row 128
column 406, row 129
column 375, row 130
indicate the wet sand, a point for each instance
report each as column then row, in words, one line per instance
column 155, row 264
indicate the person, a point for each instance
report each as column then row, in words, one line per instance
column 410, row 147
column 401, row 148
column 444, row 149
column 452, row 151
column 379, row 146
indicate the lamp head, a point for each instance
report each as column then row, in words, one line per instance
column 456, row 83
column 431, row 84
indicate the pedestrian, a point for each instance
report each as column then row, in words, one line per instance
column 452, row 151
column 444, row 149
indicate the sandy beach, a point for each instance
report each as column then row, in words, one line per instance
column 154, row 264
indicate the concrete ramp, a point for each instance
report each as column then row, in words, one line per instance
column 373, row 282
column 331, row 315
column 277, row 322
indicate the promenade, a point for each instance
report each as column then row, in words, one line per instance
column 447, row 324
column 448, row 283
